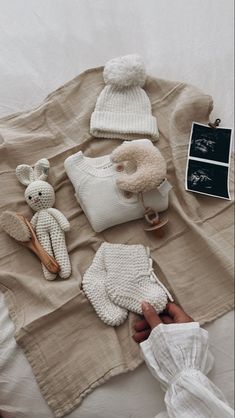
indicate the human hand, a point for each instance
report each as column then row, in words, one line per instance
column 173, row 314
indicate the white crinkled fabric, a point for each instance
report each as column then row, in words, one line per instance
column 177, row 355
column 119, row 279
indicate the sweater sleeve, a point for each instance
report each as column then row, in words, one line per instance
column 177, row 355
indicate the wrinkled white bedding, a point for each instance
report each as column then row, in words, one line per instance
column 43, row 45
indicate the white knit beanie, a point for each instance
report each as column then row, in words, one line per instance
column 119, row 279
column 123, row 109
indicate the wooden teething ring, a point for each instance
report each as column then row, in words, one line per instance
column 152, row 217
column 154, row 220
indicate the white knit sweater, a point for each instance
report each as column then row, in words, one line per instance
column 105, row 205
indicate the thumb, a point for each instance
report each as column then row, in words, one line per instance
column 150, row 315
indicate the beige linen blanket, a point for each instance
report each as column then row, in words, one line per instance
column 70, row 350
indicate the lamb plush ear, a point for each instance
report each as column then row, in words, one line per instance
column 25, row 174
column 41, row 169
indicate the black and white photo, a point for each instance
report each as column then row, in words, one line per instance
column 210, row 144
column 206, row 178
column 207, row 170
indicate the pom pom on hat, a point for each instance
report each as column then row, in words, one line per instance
column 126, row 71
column 123, row 108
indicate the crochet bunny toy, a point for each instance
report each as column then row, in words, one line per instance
column 49, row 223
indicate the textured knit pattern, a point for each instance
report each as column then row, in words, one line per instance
column 119, row 279
column 105, row 205
column 149, row 163
column 27, row 174
column 94, row 286
column 123, row 109
column 178, row 356
column 49, row 223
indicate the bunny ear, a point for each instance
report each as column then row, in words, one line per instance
column 25, row 174
column 41, row 169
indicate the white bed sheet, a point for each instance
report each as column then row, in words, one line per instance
column 44, row 44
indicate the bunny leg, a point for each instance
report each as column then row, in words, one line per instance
column 60, row 252
column 45, row 242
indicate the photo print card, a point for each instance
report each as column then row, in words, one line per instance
column 207, row 170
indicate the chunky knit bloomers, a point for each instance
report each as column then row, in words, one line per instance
column 119, row 279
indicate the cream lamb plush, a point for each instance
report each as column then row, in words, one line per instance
column 149, row 166
column 49, row 223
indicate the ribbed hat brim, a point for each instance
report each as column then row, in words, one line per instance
column 123, row 125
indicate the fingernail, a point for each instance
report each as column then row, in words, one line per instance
column 145, row 306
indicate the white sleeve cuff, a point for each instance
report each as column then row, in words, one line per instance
column 174, row 347
column 178, row 356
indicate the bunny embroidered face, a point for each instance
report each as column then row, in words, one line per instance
column 40, row 195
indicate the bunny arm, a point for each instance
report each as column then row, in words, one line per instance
column 60, row 218
column 34, row 220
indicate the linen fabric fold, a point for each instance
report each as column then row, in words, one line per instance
column 54, row 322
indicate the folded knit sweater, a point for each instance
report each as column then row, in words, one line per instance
column 104, row 204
